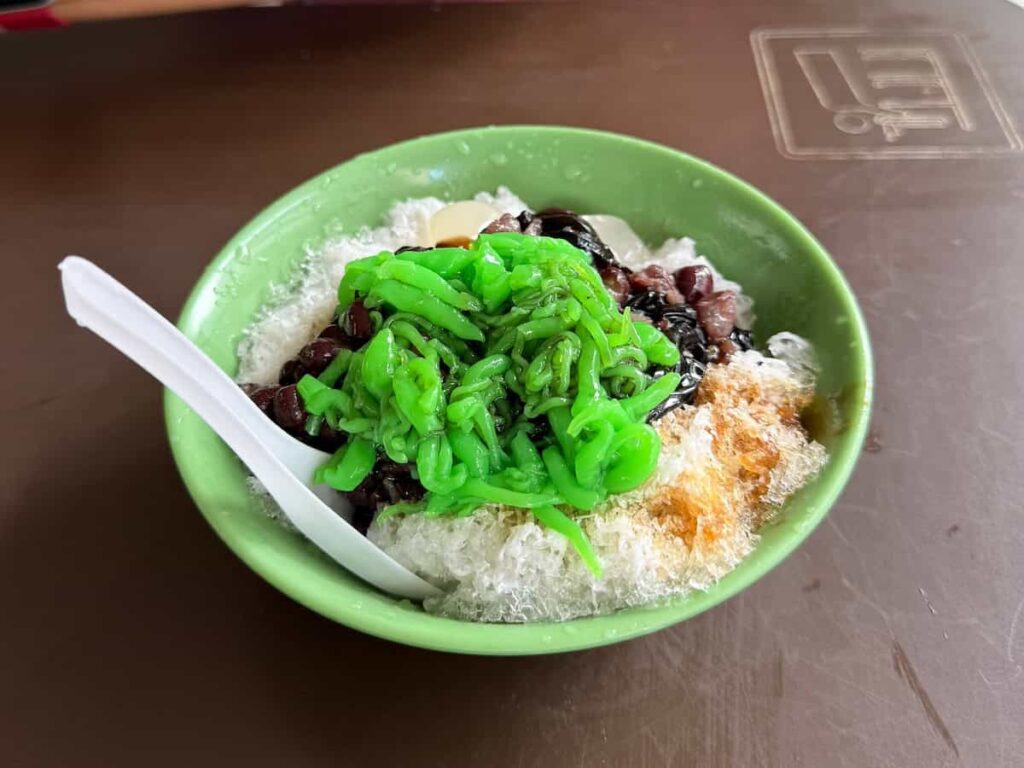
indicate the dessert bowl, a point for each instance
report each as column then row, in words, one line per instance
column 662, row 193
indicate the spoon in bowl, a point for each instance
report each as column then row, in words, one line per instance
column 280, row 462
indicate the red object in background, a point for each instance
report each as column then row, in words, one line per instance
column 60, row 13
column 30, row 18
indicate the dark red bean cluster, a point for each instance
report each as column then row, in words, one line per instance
column 685, row 306
column 281, row 402
column 653, row 279
column 389, row 483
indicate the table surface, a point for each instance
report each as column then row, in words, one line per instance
column 131, row 636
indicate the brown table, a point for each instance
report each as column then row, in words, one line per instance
column 894, row 637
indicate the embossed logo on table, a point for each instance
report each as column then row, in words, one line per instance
column 851, row 93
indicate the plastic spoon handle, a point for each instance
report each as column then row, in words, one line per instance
column 100, row 303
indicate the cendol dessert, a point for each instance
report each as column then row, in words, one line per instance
column 532, row 410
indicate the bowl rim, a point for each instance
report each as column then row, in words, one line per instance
column 519, row 639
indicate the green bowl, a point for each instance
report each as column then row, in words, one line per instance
column 662, row 193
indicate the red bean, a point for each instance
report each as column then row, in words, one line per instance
column 651, row 278
column 288, row 411
column 534, row 227
column 726, row 349
column 329, row 439
column 672, row 296
column 263, row 397
column 357, row 322
column 694, row 282
column 717, row 314
column 617, row 283
column 332, row 331
column 291, row 372
column 318, row 354
column 504, row 223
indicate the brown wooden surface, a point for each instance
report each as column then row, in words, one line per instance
column 130, row 636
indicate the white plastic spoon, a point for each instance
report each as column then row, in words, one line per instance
column 283, row 464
